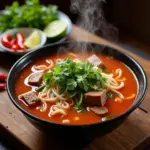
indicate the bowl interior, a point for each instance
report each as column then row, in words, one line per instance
column 26, row 32
column 28, row 58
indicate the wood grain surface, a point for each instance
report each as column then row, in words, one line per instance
column 134, row 133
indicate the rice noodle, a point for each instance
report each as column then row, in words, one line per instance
column 49, row 61
column 118, row 99
column 51, row 95
column 107, row 75
column 71, row 102
column 121, row 79
column 130, row 97
column 44, row 106
column 88, row 108
column 62, row 104
column 55, row 110
column 47, row 96
column 111, row 83
column 66, row 121
column 51, row 99
column 60, row 97
column 40, row 67
column 58, row 112
column 119, row 73
column 34, row 70
column 72, row 54
column 117, row 92
column 43, row 67
column 109, row 86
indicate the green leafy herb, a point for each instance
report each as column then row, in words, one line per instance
column 47, row 76
column 106, row 118
column 79, row 102
column 72, row 93
column 39, row 89
column 74, row 78
column 71, row 84
column 106, row 70
column 31, row 14
column 110, row 95
column 83, row 83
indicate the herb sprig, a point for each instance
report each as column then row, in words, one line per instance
column 31, row 14
column 75, row 78
column 110, row 95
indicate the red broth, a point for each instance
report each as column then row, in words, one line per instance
column 115, row 108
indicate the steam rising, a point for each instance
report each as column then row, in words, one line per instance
column 91, row 18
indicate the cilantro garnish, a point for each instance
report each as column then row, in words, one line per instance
column 110, row 95
column 75, row 78
column 30, row 14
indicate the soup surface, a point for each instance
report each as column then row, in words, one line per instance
column 118, row 100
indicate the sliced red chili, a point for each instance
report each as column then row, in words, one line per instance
column 8, row 37
column 13, row 41
column 15, row 47
column 3, row 77
column 2, row 86
column 6, row 40
column 20, row 41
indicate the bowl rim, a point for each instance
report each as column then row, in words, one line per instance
column 126, row 113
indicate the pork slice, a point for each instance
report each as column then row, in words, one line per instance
column 96, row 61
column 95, row 98
column 99, row 110
column 30, row 98
column 35, row 79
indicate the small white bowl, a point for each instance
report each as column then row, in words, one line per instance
column 26, row 32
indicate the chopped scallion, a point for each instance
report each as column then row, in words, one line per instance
column 110, row 95
column 39, row 89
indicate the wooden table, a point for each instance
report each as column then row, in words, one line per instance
column 133, row 134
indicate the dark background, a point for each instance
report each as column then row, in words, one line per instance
column 129, row 16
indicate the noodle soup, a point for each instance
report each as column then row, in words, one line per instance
column 71, row 90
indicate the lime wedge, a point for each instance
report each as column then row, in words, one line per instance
column 55, row 29
column 33, row 39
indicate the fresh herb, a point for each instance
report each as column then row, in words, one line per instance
column 106, row 70
column 31, row 14
column 110, row 95
column 74, row 78
column 72, row 94
column 79, row 102
column 71, row 84
column 39, row 89
column 106, row 118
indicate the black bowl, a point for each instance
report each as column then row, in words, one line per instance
column 84, row 131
